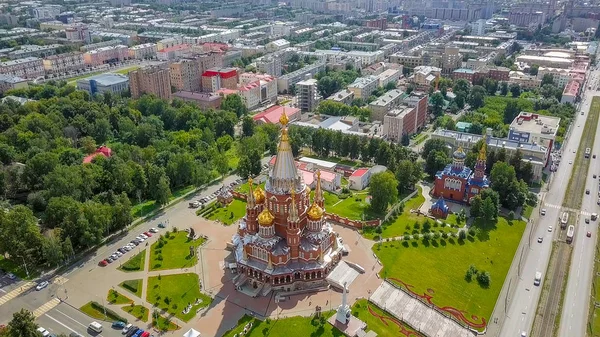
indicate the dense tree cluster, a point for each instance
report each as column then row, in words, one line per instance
column 157, row 148
column 331, row 81
column 332, row 108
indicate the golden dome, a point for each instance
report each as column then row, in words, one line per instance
column 284, row 118
column 266, row 218
column 315, row 212
column 259, row 195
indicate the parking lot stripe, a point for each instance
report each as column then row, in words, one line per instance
column 46, row 307
column 16, row 292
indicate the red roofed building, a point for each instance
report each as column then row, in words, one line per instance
column 272, row 114
column 217, row 78
column 101, row 151
column 174, row 52
column 571, row 92
column 360, row 179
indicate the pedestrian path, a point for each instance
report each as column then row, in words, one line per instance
column 59, row 280
column 568, row 209
column 16, row 292
column 46, row 307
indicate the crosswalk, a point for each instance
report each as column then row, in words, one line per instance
column 568, row 209
column 59, row 280
column 46, row 307
column 16, row 292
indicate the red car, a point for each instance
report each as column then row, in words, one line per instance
column 148, row 234
column 145, row 334
column 103, row 263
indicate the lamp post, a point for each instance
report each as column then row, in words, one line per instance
column 25, row 264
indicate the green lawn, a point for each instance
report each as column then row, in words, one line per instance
column 133, row 286
column 383, row 328
column 138, row 311
column 173, row 293
column 352, row 207
column 173, row 252
column 147, row 206
column 292, row 326
column 95, row 310
column 398, row 227
column 527, row 211
column 163, row 323
column 228, row 214
column 232, row 157
column 438, row 268
column 114, row 297
column 135, row 263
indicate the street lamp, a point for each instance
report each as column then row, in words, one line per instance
column 25, row 264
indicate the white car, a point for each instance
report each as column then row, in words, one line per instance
column 144, row 236
column 570, row 162
column 115, row 256
column 550, row 228
column 11, row 276
column 153, row 230
column 126, row 328
column 41, row 286
column 140, row 238
column 543, row 211
column 127, row 248
column 43, row 331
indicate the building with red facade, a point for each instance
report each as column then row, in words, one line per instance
column 216, row 78
column 458, row 182
column 283, row 242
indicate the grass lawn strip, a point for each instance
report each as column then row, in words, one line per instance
column 95, row 310
column 173, row 293
column 163, row 324
column 438, row 267
column 228, row 214
column 133, row 286
column 135, row 263
column 173, row 252
column 292, row 326
column 115, row 298
column 145, row 207
column 383, row 327
column 138, row 311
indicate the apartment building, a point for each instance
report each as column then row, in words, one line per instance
column 46, row 12
column 29, row 67
column 410, row 61
column 344, row 96
column 524, row 80
column 30, row 50
column 287, row 81
column 203, row 100
column 256, row 90
column 173, row 53
column 78, row 32
column 451, row 59
column 399, row 122
column 560, row 76
column 389, row 76
column 425, row 76
column 108, row 82
column 269, row 65
column 8, row 82
column 185, row 75
column 217, row 78
column 153, row 80
column 277, row 45
column 62, row 63
column 362, row 87
column 143, row 51
column 307, row 95
column 385, row 103
column 104, row 55
column 533, row 128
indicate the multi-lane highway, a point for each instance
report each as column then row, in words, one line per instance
column 523, row 302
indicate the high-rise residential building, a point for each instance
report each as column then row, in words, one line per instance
column 78, row 32
column 216, row 78
column 151, row 80
column 307, row 95
column 451, row 59
column 29, row 67
column 185, row 75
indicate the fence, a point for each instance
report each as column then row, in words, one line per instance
column 398, row 204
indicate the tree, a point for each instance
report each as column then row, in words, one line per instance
column 221, row 163
column 437, row 104
column 511, row 111
column 163, row 192
column 477, row 96
column 327, row 86
column 491, row 86
column 408, row 174
column 234, row 104
column 436, row 161
column 547, row 79
column 433, row 145
column 460, row 100
column 504, row 89
column 384, row 191
column 484, row 279
column 248, row 126
column 38, row 167
column 512, row 193
column 533, row 70
column 461, row 85
column 488, row 209
column 515, row 90
column 23, row 325
column 20, row 235
column 476, row 206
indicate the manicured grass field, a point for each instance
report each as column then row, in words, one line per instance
column 352, row 207
column 114, row 297
column 383, row 328
column 243, row 187
column 146, row 207
column 292, row 326
column 163, row 324
column 138, row 311
column 173, row 293
column 398, row 227
column 133, row 286
column 228, row 214
column 95, row 310
column 438, row 267
column 173, row 252
column 135, row 263
column 527, row 211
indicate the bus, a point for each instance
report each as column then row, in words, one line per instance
column 587, row 152
column 563, row 220
column 570, row 233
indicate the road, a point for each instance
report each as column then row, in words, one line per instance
column 575, row 308
column 77, row 286
column 523, row 303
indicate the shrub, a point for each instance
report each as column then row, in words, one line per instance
column 417, row 225
column 436, row 235
column 131, row 285
column 472, row 231
column 483, row 278
column 159, row 257
column 167, row 234
column 426, row 226
column 470, row 273
column 378, row 230
column 462, row 235
column 175, row 229
column 445, row 235
column 408, row 227
column 427, row 236
column 435, row 224
column 511, row 216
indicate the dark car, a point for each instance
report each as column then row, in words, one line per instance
column 123, row 251
column 109, row 259
column 132, row 331
column 118, row 325
column 75, row 334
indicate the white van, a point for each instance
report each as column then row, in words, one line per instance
column 538, row 278
column 95, row 326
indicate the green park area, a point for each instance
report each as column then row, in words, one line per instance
column 173, row 293
column 440, row 267
column 384, row 324
column 114, row 297
column 292, row 326
column 163, row 324
column 100, row 312
column 225, row 214
column 146, row 207
column 172, row 251
column 138, row 311
column 135, row 263
column 133, row 286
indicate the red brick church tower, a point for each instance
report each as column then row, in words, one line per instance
column 283, row 241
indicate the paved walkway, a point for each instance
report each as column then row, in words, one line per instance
column 415, row 313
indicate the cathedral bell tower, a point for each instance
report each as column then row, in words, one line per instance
column 480, row 164
column 293, row 229
column 251, row 209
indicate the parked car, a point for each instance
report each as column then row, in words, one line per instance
column 41, row 286
column 148, row 234
column 118, row 325
column 540, row 239
column 153, row 230
column 75, row 334
column 103, row 263
column 122, row 250
column 550, row 228
column 131, row 331
column 43, row 331
column 161, row 225
column 109, row 259
column 126, row 328
column 588, row 234
column 543, row 211
column 144, row 236
column 11, row 276
column 118, row 253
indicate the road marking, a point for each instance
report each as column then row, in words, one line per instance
column 61, row 323
column 568, row 209
column 71, row 318
column 60, row 280
column 46, row 307
column 16, row 292
column 2, row 290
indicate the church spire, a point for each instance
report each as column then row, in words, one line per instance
column 250, row 202
column 482, row 152
column 284, row 176
column 318, row 192
column 293, row 215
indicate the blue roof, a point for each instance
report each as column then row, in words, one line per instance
column 481, row 183
column 465, row 173
column 441, row 204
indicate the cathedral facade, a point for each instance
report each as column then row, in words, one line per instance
column 457, row 182
column 283, row 242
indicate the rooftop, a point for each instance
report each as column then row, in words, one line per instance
column 535, row 123
column 388, row 97
column 272, row 114
column 106, row 79
column 198, row 96
column 19, row 61
column 318, row 162
column 362, row 82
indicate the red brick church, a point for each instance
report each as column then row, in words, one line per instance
column 457, row 182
